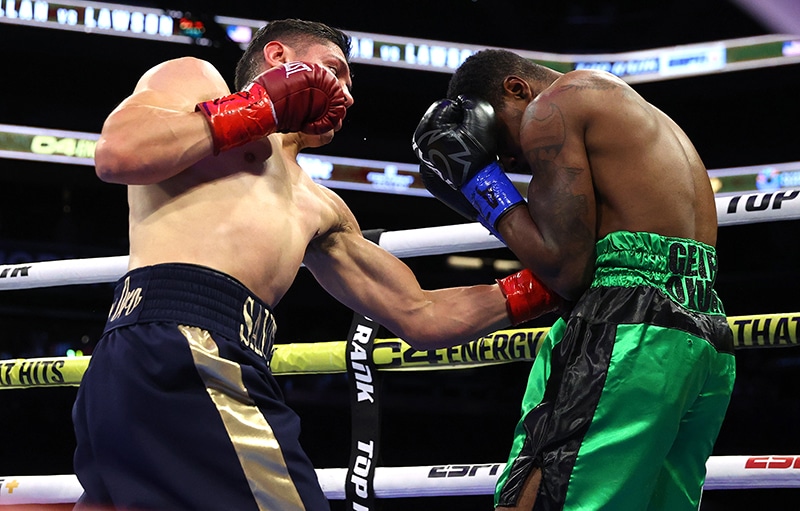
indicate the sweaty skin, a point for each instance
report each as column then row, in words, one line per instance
column 253, row 213
column 602, row 160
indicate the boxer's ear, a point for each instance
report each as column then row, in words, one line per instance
column 517, row 87
column 277, row 53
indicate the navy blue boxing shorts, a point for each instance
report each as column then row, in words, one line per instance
column 178, row 408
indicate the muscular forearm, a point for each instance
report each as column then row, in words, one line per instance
column 455, row 316
column 143, row 145
column 565, row 268
column 155, row 133
column 374, row 282
column 461, row 314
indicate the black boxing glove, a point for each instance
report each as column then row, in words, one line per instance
column 292, row 97
column 455, row 140
column 445, row 193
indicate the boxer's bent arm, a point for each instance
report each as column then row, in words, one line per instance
column 155, row 133
column 555, row 235
column 375, row 283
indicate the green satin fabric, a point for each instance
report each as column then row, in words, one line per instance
column 684, row 269
column 657, row 378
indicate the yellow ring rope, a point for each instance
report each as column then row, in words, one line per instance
column 503, row 346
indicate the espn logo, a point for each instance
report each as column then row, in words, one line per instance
column 757, row 462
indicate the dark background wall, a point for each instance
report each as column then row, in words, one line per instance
column 71, row 81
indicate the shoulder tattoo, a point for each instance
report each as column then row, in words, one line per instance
column 544, row 133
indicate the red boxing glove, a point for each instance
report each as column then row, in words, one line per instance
column 527, row 297
column 292, row 97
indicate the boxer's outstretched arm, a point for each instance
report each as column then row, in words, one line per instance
column 373, row 282
column 155, row 132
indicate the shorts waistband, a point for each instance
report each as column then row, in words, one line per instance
column 193, row 295
column 686, row 270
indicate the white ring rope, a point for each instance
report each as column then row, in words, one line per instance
column 731, row 210
column 723, row 473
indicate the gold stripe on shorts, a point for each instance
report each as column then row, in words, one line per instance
column 253, row 439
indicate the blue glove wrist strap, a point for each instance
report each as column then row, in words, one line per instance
column 492, row 193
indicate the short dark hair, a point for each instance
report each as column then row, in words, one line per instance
column 482, row 74
column 296, row 33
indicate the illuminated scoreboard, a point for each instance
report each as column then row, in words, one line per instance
column 377, row 49
column 105, row 18
column 58, row 146
column 433, row 55
column 177, row 26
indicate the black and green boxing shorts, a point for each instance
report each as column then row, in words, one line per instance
column 627, row 395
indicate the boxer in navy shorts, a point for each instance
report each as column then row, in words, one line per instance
column 178, row 408
column 183, row 363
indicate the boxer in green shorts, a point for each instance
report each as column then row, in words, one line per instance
column 627, row 396
column 650, row 331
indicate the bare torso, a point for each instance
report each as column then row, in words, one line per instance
column 254, row 224
column 648, row 175
column 253, row 213
column 605, row 160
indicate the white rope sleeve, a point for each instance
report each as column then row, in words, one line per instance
column 439, row 240
column 64, row 272
column 731, row 210
column 724, row 472
column 752, row 208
